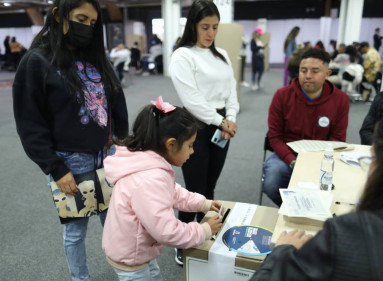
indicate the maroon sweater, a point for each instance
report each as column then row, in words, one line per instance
column 293, row 117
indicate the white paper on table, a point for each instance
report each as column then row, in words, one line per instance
column 317, row 145
column 306, row 203
column 352, row 158
column 221, row 259
column 308, row 185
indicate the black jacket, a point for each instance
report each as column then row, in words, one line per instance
column 374, row 115
column 48, row 118
column 349, row 247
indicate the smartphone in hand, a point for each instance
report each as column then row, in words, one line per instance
column 225, row 215
column 218, row 140
column 214, row 237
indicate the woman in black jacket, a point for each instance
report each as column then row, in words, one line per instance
column 349, row 247
column 67, row 105
column 374, row 114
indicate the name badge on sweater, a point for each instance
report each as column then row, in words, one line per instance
column 323, row 122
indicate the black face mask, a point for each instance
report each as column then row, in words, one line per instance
column 79, row 35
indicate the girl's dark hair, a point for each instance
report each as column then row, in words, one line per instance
column 291, row 36
column 153, row 127
column 198, row 11
column 53, row 45
column 372, row 198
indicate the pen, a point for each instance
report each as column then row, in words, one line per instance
column 220, row 212
column 345, row 203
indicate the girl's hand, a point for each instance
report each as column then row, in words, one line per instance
column 297, row 238
column 67, row 184
column 215, row 224
column 215, row 206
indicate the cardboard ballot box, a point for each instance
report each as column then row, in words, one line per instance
column 239, row 249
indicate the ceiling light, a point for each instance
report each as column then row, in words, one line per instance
column 7, row 4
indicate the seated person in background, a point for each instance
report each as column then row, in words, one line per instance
column 348, row 248
column 371, row 61
column 154, row 51
column 119, row 56
column 17, row 51
column 353, row 73
column 309, row 108
column 371, row 64
column 374, row 115
column 319, row 45
column 341, row 62
column 359, row 55
column 295, row 59
column 342, row 57
column 335, row 51
column 135, row 57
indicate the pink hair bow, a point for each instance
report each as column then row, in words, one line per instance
column 165, row 107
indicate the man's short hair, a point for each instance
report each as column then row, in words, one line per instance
column 317, row 54
column 377, row 29
column 364, row 44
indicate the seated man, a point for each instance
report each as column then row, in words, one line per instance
column 309, row 108
column 135, row 56
column 119, row 56
column 340, row 63
column 371, row 64
column 154, row 52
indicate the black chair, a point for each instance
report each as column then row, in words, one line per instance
column 159, row 64
column 156, row 66
column 266, row 147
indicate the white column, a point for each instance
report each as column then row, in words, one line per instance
column 350, row 20
column 171, row 13
column 262, row 23
column 325, row 30
column 226, row 10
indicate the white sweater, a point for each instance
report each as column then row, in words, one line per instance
column 204, row 83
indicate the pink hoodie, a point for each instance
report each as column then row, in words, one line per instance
column 141, row 217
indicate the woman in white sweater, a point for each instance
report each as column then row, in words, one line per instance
column 203, row 77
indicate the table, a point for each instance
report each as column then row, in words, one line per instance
column 349, row 183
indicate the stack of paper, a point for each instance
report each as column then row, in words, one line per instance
column 306, row 206
column 351, row 158
column 317, row 145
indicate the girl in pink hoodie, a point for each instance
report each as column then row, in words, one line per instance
column 141, row 217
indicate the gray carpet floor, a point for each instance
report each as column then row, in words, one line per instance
column 31, row 235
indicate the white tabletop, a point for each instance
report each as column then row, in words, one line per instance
column 349, row 183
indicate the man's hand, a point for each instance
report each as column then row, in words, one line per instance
column 292, row 165
column 297, row 238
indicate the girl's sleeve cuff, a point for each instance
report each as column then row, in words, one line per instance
column 207, row 230
column 205, row 207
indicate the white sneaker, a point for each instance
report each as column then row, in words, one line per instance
column 245, row 84
column 254, row 87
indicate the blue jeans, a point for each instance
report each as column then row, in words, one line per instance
column 277, row 175
column 148, row 273
column 74, row 246
column 75, row 231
